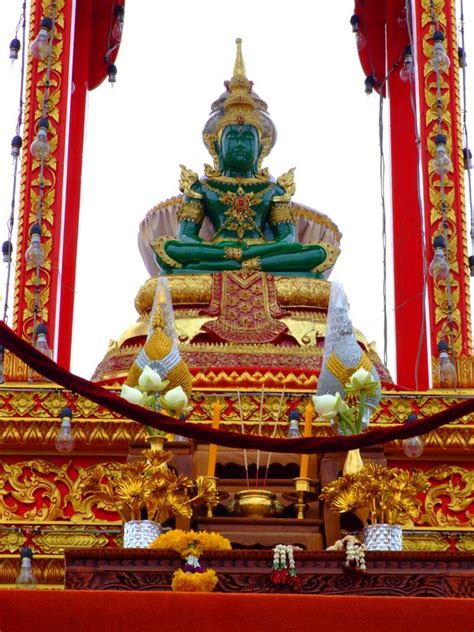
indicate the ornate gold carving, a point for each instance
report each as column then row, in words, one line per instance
column 255, row 263
column 465, row 543
column 191, row 212
column 287, row 182
column 34, row 178
column 281, row 214
column 186, row 181
column 447, row 213
column 421, row 540
column 43, row 491
column 52, row 539
column 448, row 503
column 302, row 292
column 332, row 253
column 158, row 246
column 233, row 253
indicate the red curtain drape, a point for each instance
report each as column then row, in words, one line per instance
column 52, row 371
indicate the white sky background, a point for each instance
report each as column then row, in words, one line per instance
column 172, row 63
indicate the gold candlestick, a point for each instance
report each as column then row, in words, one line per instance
column 213, row 480
column 302, row 489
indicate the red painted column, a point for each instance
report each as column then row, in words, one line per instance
column 53, row 177
column 411, row 338
column 80, row 76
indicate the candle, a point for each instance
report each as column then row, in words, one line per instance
column 308, row 420
column 216, row 418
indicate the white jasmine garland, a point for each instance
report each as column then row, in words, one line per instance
column 283, row 557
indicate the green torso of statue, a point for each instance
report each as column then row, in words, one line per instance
column 252, row 217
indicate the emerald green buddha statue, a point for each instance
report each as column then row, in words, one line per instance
column 252, row 217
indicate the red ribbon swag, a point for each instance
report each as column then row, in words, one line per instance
column 308, row 445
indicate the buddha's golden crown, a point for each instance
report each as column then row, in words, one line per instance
column 239, row 107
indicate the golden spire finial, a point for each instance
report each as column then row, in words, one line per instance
column 239, row 66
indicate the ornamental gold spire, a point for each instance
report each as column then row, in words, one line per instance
column 239, row 66
column 240, row 107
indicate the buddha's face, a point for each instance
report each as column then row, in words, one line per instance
column 239, row 147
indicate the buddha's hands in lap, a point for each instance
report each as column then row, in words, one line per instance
column 233, row 244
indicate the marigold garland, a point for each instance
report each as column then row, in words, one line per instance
column 185, row 581
column 191, row 542
column 190, row 545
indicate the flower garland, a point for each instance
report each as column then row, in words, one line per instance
column 355, row 552
column 284, row 569
column 190, row 545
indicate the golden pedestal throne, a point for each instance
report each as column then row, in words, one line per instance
column 258, row 326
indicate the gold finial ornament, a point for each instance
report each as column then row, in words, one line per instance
column 239, row 66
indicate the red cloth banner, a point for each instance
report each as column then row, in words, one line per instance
column 308, row 445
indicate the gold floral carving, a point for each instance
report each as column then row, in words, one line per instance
column 40, row 490
column 450, row 318
column 465, row 543
column 424, row 541
column 56, row 541
column 29, row 417
column 25, row 298
column 438, row 539
column 302, row 292
column 448, row 502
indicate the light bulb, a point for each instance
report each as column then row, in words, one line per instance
column 439, row 59
column 359, row 37
column 294, row 427
column 441, row 162
column 39, row 47
column 15, row 46
column 112, row 73
column 35, row 254
column 40, row 147
column 366, row 415
column 360, row 40
column 447, row 377
column 117, row 29
column 16, row 146
column 402, row 19
column 407, row 71
column 26, row 578
column 412, row 447
column 439, row 268
column 41, row 341
column 369, row 84
column 7, row 249
column 64, row 441
column 467, row 158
